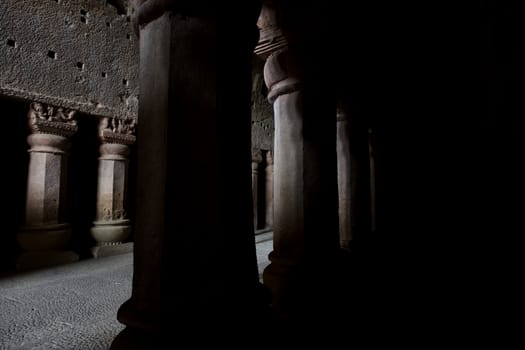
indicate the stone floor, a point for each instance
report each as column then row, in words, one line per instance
column 73, row 306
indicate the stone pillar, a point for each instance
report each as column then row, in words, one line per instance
column 269, row 189
column 256, row 161
column 45, row 234
column 353, row 174
column 343, row 179
column 288, row 238
column 112, row 227
column 195, row 267
column 305, row 183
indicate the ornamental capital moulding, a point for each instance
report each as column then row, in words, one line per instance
column 48, row 119
column 114, row 130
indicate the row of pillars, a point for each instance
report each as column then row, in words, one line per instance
column 305, row 186
column 262, row 214
column 194, row 255
column 45, row 235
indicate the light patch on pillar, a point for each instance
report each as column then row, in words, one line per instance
column 36, row 188
column 288, row 176
column 52, row 188
column 119, row 175
column 105, row 190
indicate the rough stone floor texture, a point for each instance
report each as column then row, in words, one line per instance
column 73, row 306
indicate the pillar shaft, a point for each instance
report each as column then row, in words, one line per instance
column 269, row 189
column 256, row 162
column 360, row 180
column 288, row 178
column 195, row 264
column 353, row 170
column 46, row 234
column 305, row 182
column 344, row 179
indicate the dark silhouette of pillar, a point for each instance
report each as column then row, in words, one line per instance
column 353, row 163
column 256, row 162
column 195, row 268
column 305, row 183
column 268, row 172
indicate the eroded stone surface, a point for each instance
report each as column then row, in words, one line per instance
column 68, row 307
column 262, row 110
column 77, row 54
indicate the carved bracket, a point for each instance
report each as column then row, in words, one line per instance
column 47, row 119
column 257, row 156
column 341, row 115
column 113, row 130
column 269, row 157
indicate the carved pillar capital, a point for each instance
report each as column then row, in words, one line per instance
column 47, row 119
column 341, row 115
column 271, row 36
column 269, row 157
column 257, row 156
column 117, row 131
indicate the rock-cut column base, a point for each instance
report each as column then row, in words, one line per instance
column 346, row 245
column 142, row 329
column 110, row 250
column 109, row 236
column 44, row 246
column 287, row 281
column 36, row 260
column 132, row 339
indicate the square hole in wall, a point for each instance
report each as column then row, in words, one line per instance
column 52, row 54
column 11, row 42
column 83, row 19
column 125, row 82
column 80, row 65
column 104, row 75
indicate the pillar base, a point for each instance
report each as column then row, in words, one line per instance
column 346, row 245
column 136, row 339
column 44, row 246
column 287, row 281
column 44, row 237
column 136, row 318
column 113, row 249
column 35, row 260
column 110, row 232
